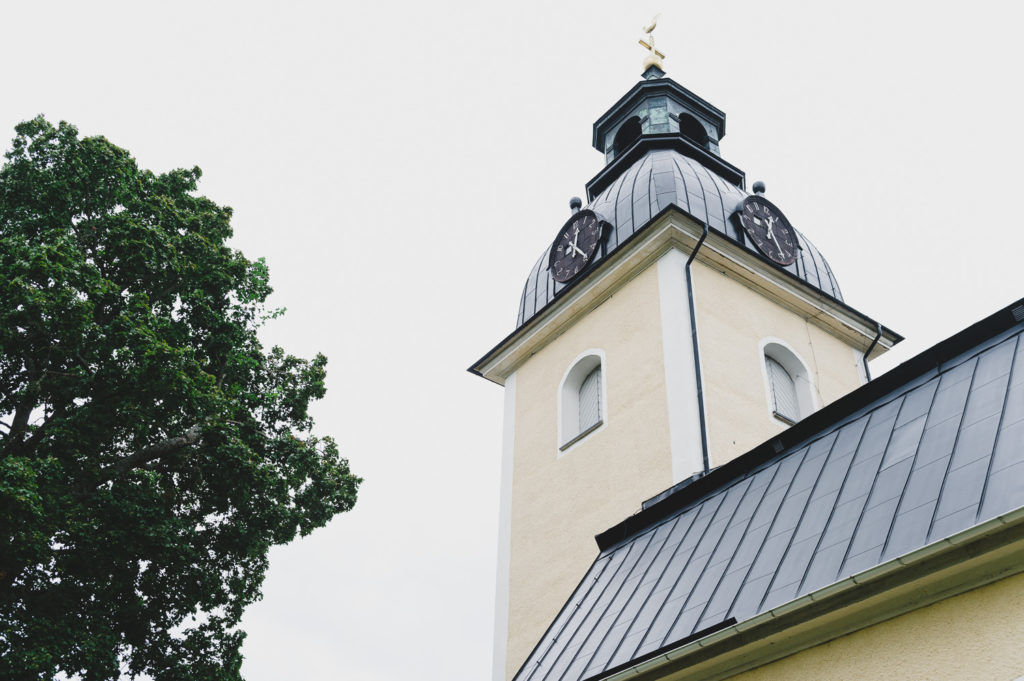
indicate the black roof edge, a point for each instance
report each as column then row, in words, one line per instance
column 707, row 631
column 929, row 360
column 665, row 140
column 685, row 482
column 673, row 207
column 724, row 624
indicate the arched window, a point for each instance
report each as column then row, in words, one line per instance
column 628, row 134
column 693, row 130
column 788, row 385
column 581, row 399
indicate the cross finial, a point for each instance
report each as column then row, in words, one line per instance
column 653, row 57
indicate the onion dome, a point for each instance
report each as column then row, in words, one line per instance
column 660, row 178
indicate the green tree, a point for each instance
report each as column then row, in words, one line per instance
column 151, row 450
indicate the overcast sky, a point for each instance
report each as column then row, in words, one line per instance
column 401, row 167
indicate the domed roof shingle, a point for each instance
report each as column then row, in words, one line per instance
column 660, row 178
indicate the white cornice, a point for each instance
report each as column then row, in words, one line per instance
column 674, row 229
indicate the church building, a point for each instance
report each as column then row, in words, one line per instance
column 686, row 384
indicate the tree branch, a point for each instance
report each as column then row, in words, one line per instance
column 148, row 454
column 26, row 404
column 85, row 365
column 37, row 435
column 20, row 421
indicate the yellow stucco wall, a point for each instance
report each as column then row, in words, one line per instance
column 560, row 502
column 976, row 636
column 731, row 320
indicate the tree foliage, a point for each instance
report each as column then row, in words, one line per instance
column 151, row 449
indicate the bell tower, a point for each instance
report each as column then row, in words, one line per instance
column 674, row 322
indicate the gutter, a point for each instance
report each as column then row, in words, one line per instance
column 867, row 372
column 751, row 639
column 696, row 352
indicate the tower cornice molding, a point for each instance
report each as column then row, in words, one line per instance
column 712, row 162
column 674, row 228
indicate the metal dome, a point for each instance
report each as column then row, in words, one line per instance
column 660, row 178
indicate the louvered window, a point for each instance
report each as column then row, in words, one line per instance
column 590, row 400
column 783, row 390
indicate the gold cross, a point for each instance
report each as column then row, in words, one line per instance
column 651, row 48
column 654, row 56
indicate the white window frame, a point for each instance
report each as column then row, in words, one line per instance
column 796, row 367
column 569, row 434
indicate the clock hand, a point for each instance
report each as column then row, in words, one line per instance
column 576, row 237
column 575, row 248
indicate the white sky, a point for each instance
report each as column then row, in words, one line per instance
column 401, row 167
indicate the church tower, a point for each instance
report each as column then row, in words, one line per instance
column 675, row 322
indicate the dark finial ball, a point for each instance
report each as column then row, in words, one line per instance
column 759, row 187
column 575, row 203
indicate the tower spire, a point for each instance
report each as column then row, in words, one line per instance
column 653, row 66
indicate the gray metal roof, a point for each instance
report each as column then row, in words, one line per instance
column 660, row 178
column 941, row 450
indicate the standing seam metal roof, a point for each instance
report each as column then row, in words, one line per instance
column 660, row 178
column 938, row 454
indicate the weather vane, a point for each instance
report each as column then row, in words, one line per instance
column 653, row 57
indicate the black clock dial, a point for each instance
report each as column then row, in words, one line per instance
column 575, row 245
column 769, row 229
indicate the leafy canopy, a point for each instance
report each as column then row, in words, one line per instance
column 151, row 450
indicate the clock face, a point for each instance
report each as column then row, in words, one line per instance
column 769, row 229
column 575, row 245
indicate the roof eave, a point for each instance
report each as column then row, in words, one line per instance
column 974, row 557
column 670, row 140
